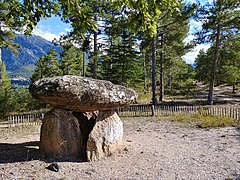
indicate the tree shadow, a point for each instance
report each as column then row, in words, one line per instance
column 238, row 130
column 10, row 153
column 27, row 151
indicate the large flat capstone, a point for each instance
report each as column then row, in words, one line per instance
column 81, row 94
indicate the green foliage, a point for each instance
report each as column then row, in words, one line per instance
column 178, row 76
column 47, row 66
column 122, row 64
column 228, row 63
column 90, row 66
column 223, row 14
column 141, row 15
column 72, row 60
column 182, row 78
column 15, row 100
column 229, row 60
column 231, row 73
column 6, row 95
column 69, row 62
column 24, row 100
column 10, row 19
column 203, row 65
column 205, row 121
column 220, row 19
column 22, row 16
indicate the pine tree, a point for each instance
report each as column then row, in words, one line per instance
column 219, row 19
column 228, row 63
column 203, row 65
column 72, row 60
column 122, row 63
column 47, row 66
column 6, row 94
column 168, row 45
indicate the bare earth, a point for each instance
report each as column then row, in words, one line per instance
column 151, row 150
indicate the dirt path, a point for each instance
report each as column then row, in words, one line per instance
column 151, row 150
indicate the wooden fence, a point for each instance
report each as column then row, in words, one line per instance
column 142, row 110
column 146, row 110
column 24, row 119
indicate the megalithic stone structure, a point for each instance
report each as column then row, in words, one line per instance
column 84, row 123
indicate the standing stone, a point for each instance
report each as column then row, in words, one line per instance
column 106, row 135
column 61, row 135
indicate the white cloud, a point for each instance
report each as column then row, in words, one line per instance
column 190, row 57
column 189, row 38
column 62, row 33
column 45, row 34
column 67, row 29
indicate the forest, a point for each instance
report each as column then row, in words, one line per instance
column 138, row 44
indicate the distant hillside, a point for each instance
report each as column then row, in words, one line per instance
column 32, row 48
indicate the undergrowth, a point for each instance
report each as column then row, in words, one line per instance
column 205, row 121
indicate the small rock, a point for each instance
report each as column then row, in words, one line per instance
column 53, row 167
column 139, row 129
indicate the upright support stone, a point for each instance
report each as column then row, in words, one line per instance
column 106, row 135
column 61, row 135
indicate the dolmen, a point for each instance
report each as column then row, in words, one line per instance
column 84, row 123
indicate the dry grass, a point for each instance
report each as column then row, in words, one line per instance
column 202, row 121
column 215, row 121
column 19, row 131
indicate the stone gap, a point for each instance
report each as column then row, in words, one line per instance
column 86, row 123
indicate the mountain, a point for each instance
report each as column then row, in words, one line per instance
column 32, row 48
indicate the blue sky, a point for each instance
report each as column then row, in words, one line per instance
column 53, row 28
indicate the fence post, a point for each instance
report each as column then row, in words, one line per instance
column 238, row 114
column 152, row 108
column 9, row 121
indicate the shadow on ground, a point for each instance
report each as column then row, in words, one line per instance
column 27, row 151
column 10, row 153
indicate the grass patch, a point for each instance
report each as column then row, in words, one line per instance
column 196, row 120
column 144, row 97
column 19, row 131
column 205, row 121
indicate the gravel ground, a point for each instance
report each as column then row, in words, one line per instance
column 151, row 150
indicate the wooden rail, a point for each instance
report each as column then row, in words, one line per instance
column 24, row 119
column 146, row 110
column 143, row 110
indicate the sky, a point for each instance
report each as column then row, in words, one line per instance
column 53, row 28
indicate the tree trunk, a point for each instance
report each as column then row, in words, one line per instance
column 214, row 66
column 145, row 73
column 161, row 97
column 234, row 88
column 154, row 99
column 0, row 65
column 170, row 80
column 95, row 52
column 149, row 75
column 83, row 64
